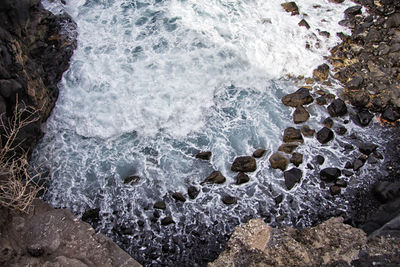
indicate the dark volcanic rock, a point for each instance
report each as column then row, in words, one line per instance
column 291, row 7
column 278, row 161
column 390, row 115
column 298, row 98
column 367, row 148
column 244, row 164
column 193, row 192
column 337, row 108
column 307, row 131
column 278, row 199
column 288, row 148
column 325, row 135
column 259, row 153
column 357, row 164
column 292, row 177
column 341, row 130
column 360, row 99
column 296, row 159
column 330, row 174
column 364, row 117
column 215, row 177
column 160, row 205
column 92, row 215
column 347, row 173
column 328, row 122
column 242, row 178
column 206, row 155
column 229, row 200
column 319, row 159
column 133, row 179
column 352, row 11
column 167, row 221
column 291, row 135
column 300, row 115
column 178, row 196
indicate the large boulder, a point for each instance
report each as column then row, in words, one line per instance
column 337, row 108
column 278, row 161
column 299, row 98
column 325, row 135
column 292, row 135
column 244, row 164
column 215, row 177
column 292, row 177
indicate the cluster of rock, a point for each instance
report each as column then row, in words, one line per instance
column 331, row 243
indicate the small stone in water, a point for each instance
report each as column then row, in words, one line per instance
column 228, row 200
column 167, row 220
column 160, row 205
column 259, row 153
column 178, row 196
column 193, row 192
column 242, row 178
column 204, row 155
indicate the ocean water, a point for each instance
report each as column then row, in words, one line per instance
column 152, row 83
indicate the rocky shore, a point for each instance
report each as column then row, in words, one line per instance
column 35, row 48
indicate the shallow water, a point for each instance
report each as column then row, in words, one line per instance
column 154, row 82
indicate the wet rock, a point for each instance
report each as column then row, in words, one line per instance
column 335, row 190
column 304, row 23
column 360, row 99
column 300, row 115
column 229, row 200
column 367, row 148
column 307, row 131
column 321, row 72
column 319, row 159
column 352, row 11
column 341, row 130
column 355, row 83
column 348, row 165
column 278, row 200
column 206, row 155
column 291, row 135
column 167, row 220
column 215, row 177
column 288, row 148
column 178, row 197
column 244, row 164
column 364, row 117
column 337, row 108
column 325, row 135
column 292, row 177
column 160, row 205
column 357, row 164
column 348, row 173
column 291, row 7
column 330, row 174
column 278, row 161
column 193, row 192
column 328, row 123
column 298, row 98
column 296, row 159
column 242, row 178
column 133, row 179
column 259, row 153
column 321, row 101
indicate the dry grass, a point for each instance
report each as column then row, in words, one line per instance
column 18, row 187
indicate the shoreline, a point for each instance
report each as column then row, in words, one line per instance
column 351, row 97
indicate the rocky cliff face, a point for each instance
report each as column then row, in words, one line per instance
column 331, row 243
column 35, row 48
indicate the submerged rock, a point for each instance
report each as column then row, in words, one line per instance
column 292, row 135
column 292, row 177
column 206, row 155
column 193, row 192
column 325, row 135
column 278, row 161
column 215, row 177
column 299, row 98
column 244, row 164
column 133, row 179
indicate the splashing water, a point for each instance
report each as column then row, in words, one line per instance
column 154, row 82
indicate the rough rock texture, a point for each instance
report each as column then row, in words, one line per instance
column 50, row 237
column 331, row 243
column 35, row 48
